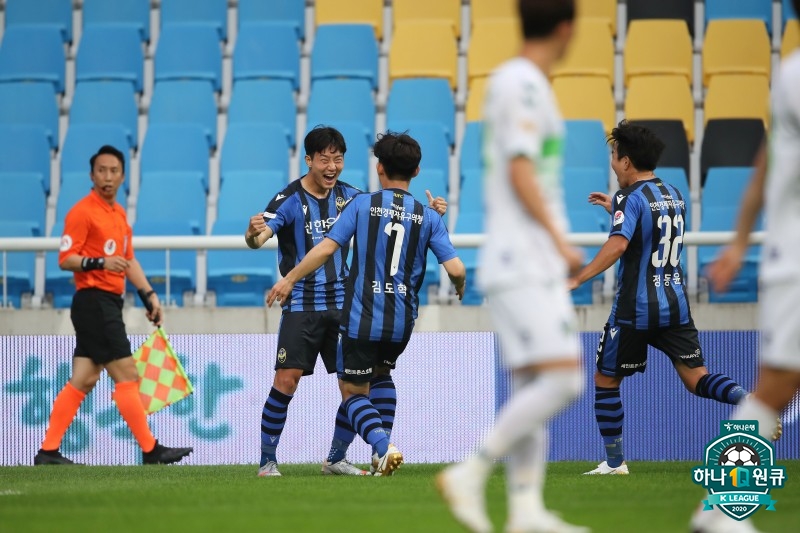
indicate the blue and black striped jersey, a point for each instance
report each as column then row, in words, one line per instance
column 393, row 233
column 300, row 221
column 650, row 285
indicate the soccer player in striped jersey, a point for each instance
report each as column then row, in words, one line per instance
column 299, row 215
column 651, row 306
column 392, row 233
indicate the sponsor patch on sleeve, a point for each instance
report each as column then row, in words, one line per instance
column 619, row 218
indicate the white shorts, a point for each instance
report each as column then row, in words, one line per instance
column 535, row 324
column 779, row 315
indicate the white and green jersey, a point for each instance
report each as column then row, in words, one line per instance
column 781, row 250
column 521, row 119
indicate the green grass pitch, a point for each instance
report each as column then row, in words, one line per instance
column 656, row 497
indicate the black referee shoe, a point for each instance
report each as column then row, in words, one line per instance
column 163, row 455
column 44, row 457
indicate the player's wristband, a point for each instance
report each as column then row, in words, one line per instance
column 93, row 263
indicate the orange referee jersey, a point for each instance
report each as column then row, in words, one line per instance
column 95, row 229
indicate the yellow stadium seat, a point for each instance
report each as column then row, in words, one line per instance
column 492, row 42
column 736, row 47
column 475, row 97
column 586, row 98
column 490, row 9
column 791, row 37
column 351, row 12
column 605, row 9
column 591, row 52
column 658, row 47
column 446, row 10
column 423, row 49
column 737, row 96
column 665, row 97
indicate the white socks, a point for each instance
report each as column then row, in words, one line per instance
column 753, row 409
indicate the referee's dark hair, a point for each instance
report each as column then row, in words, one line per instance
column 638, row 143
column 107, row 149
column 322, row 137
column 540, row 18
column 399, row 153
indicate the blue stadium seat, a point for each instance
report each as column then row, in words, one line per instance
column 435, row 164
column 267, row 51
column 189, row 52
column 719, row 208
column 578, row 183
column 186, row 102
column 21, row 265
column 163, row 142
column 787, row 12
column 471, row 157
column 110, row 53
column 470, row 221
column 586, row 221
column 33, row 53
column 586, row 145
column 423, row 99
column 23, row 200
column 120, row 13
column 740, row 9
column 55, row 14
column 211, row 13
column 356, row 160
column 257, row 148
column 82, row 142
column 25, row 150
column 345, row 51
column 264, row 101
column 676, row 177
column 31, row 104
column 289, row 12
column 240, row 277
column 106, row 102
column 59, row 285
column 246, row 192
column 335, row 101
column 470, row 198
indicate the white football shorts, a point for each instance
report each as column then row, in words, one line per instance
column 779, row 314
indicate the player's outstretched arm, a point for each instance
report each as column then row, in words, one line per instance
column 602, row 199
column 612, row 250
column 314, row 259
column 257, row 232
column 457, row 273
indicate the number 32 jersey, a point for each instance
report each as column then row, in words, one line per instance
column 651, row 292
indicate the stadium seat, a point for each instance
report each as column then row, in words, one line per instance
column 471, row 148
column 31, row 104
column 678, row 178
column 604, row 9
column 470, row 198
column 173, row 195
column 737, row 96
column 264, row 101
column 736, row 47
column 435, row 164
column 448, row 11
column 289, row 12
column 255, row 148
column 59, row 285
column 587, row 221
column 423, row 99
column 661, row 97
column 475, row 99
column 730, row 143
column 189, row 52
column 20, row 266
column 267, row 51
column 164, row 141
column 663, row 9
column 676, row 144
column 186, row 102
column 591, row 52
column 24, row 150
column 469, row 221
column 720, row 201
column 658, row 47
column 740, row 9
column 586, row 146
column 120, row 13
column 423, row 49
column 350, row 12
column 356, row 160
column 579, row 182
column 492, row 9
column 345, row 51
column 334, row 101
column 110, row 53
column 106, row 102
column 791, row 38
column 240, row 277
column 492, row 42
column 237, row 200
column 23, row 200
column 586, row 98
column 82, row 142
column 33, row 53
column 211, row 13
column 787, row 12
column 55, row 14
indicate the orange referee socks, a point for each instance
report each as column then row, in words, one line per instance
column 129, row 403
column 65, row 407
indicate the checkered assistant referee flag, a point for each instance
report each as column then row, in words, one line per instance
column 162, row 380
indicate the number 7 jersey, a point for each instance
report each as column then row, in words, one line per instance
column 651, row 292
